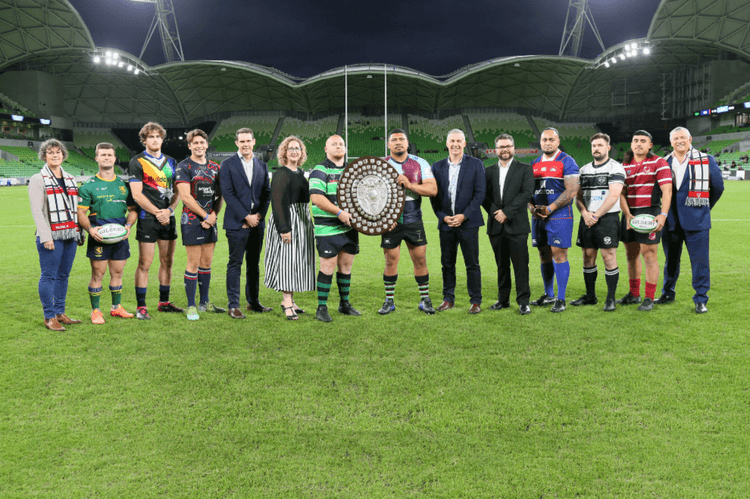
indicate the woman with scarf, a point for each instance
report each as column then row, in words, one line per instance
column 53, row 195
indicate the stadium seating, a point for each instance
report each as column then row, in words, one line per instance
column 86, row 140
column 9, row 106
column 29, row 163
column 487, row 126
column 313, row 133
column 429, row 135
column 262, row 126
column 367, row 134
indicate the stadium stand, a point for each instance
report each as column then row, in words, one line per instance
column 262, row 126
column 313, row 133
column 487, row 126
column 429, row 135
column 367, row 134
column 87, row 139
column 9, row 106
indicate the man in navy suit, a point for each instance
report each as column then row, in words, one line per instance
column 698, row 185
column 461, row 191
column 247, row 194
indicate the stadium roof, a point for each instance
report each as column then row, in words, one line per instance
column 50, row 36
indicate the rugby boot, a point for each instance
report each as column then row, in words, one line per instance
column 346, row 308
column 629, row 299
column 543, row 300
column 647, row 305
column 559, row 306
column 425, row 305
column 387, row 307
column 584, row 300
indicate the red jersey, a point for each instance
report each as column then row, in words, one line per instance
column 641, row 179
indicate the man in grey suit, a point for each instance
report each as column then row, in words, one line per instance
column 510, row 187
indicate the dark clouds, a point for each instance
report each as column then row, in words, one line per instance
column 306, row 38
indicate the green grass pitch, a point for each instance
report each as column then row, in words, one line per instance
column 580, row 404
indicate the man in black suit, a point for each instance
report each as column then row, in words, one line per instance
column 510, row 187
column 458, row 206
column 247, row 193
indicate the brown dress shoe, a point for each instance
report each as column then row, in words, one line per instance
column 236, row 313
column 475, row 309
column 446, row 305
column 64, row 319
column 53, row 324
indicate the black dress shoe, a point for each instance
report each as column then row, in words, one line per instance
column 647, row 305
column 257, row 306
column 543, row 300
column 500, row 305
column 559, row 306
column 584, row 300
column 425, row 305
column 700, row 308
column 524, row 309
column 322, row 314
column 609, row 305
column 346, row 308
column 629, row 299
column 664, row 300
column 387, row 308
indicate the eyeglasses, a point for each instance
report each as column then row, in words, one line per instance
column 293, row 149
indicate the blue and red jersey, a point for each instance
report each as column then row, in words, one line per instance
column 549, row 181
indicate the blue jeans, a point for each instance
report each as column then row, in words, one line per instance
column 53, row 283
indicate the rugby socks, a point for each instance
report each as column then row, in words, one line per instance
column 390, row 285
column 343, row 281
column 116, row 295
column 204, row 281
column 94, row 295
column 612, row 276
column 562, row 271
column 140, row 296
column 650, row 290
column 589, row 277
column 635, row 287
column 548, row 276
column 163, row 294
column 324, row 287
column 423, row 283
column 191, row 282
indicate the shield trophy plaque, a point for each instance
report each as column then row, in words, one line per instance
column 368, row 191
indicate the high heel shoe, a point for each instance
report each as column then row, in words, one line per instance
column 293, row 316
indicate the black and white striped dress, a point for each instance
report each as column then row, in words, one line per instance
column 290, row 266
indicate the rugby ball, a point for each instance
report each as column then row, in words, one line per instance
column 645, row 224
column 112, row 233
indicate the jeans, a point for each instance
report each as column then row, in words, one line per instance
column 53, row 283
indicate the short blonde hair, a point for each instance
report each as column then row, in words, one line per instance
column 52, row 144
column 281, row 152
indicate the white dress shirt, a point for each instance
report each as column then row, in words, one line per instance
column 679, row 170
column 503, row 173
column 248, row 166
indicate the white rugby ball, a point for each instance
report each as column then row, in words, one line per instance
column 644, row 224
column 112, row 233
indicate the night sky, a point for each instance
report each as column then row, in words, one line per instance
column 307, row 38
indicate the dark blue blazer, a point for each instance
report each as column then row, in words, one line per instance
column 240, row 200
column 694, row 217
column 470, row 193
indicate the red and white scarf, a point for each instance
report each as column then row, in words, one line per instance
column 699, row 188
column 62, row 204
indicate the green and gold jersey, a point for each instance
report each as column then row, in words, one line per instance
column 107, row 200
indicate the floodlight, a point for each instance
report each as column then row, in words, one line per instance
column 629, row 54
column 97, row 59
column 606, row 64
column 613, row 60
column 136, row 71
column 115, row 55
column 622, row 56
column 646, row 51
column 108, row 54
column 130, row 67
